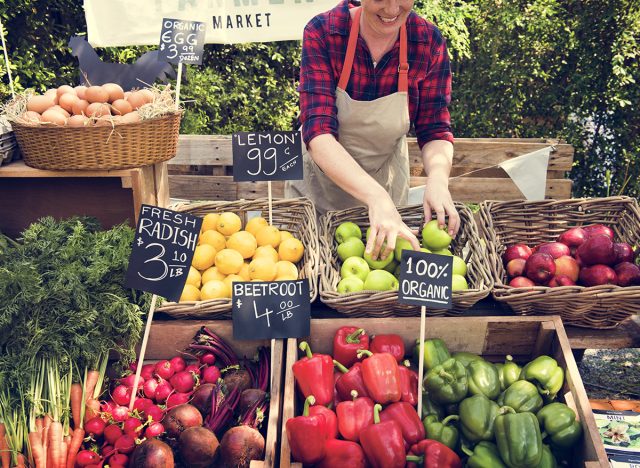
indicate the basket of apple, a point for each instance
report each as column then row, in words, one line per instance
column 573, row 258
column 354, row 283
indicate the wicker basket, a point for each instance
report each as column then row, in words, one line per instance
column 467, row 244
column 296, row 215
column 534, row 222
column 99, row 148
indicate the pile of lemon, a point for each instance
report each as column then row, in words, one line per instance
column 228, row 253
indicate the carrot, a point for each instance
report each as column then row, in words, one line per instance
column 64, row 450
column 74, row 447
column 5, row 454
column 76, row 404
column 21, row 461
column 90, row 384
column 55, row 443
column 39, row 427
column 35, row 441
column 92, row 409
column 46, row 425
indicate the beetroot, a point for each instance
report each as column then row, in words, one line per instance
column 133, row 427
column 86, row 458
column 112, row 433
column 240, row 445
column 95, row 426
column 178, row 363
column 164, row 369
column 125, row 444
column 163, row 390
column 198, row 447
column 155, row 429
column 176, row 399
column 183, row 382
column 250, row 398
column 122, row 395
column 211, row 374
column 238, row 378
column 149, row 388
column 181, row 417
column 201, row 398
column 208, row 358
column 152, row 453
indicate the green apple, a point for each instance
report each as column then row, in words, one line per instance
column 443, row 252
column 347, row 230
column 380, row 280
column 459, row 267
column 380, row 263
column 425, row 250
column 433, row 237
column 401, row 244
column 458, row 283
column 355, row 266
column 352, row 247
column 396, row 272
column 350, row 284
column 366, row 237
column 391, row 267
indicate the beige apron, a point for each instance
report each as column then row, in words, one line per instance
column 372, row 132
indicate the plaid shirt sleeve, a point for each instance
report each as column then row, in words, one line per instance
column 318, row 112
column 433, row 121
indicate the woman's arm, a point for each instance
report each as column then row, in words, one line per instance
column 437, row 157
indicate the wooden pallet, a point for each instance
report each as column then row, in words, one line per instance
column 202, row 169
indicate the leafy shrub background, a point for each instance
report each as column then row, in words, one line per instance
column 544, row 68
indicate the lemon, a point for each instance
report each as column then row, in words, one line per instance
column 229, row 261
column 266, row 251
column 228, row 223
column 243, row 242
column 284, row 235
column 204, row 256
column 209, row 222
column 229, row 280
column 286, row 271
column 214, row 290
column 189, row 293
column 244, row 272
column 268, row 235
column 291, row 250
column 212, row 274
column 214, row 238
column 255, row 224
column 262, row 269
column 193, row 278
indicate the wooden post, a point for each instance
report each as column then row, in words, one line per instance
column 178, row 80
column 423, row 311
column 143, row 349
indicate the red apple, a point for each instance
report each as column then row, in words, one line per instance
column 623, row 252
column 573, row 237
column 597, row 249
column 567, row 266
column 540, row 267
column 516, row 267
column 628, row 274
column 597, row 275
column 521, row 282
column 597, row 229
column 555, row 249
column 563, row 280
column 516, row 251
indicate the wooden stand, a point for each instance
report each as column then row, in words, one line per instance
column 112, row 197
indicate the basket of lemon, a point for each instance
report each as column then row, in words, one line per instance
column 237, row 243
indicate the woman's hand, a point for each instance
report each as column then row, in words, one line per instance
column 387, row 225
column 437, row 198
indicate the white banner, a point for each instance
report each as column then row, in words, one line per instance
column 138, row 22
column 529, row 172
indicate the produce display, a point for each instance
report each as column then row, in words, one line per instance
column 360, row 272
column 586, row 256
column 363, row 411
column 226, row 253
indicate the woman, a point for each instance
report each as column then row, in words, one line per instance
column 367, row 73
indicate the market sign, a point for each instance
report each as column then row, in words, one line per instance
column 425, row 279
column 181, row 41
column 162, row 251
column 266, row 156
column 113, row 23
column 267, row 310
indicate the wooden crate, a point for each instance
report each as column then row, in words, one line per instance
column 202, row 169
column 170, row 337
column 492, row 337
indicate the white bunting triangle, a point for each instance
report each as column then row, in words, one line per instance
column 529, row 172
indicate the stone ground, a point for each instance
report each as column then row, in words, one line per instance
column 611, row 373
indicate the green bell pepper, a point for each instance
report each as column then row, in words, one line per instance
column 435, row 353
column 522, row 396
column 519, row 439
column 447, row 383
column 559, row 422
column 441, row 431
column 546, row 374
column 548, row 460
column 509, row 372
column 484, row 455
column 477, row 418
column 466, row 358
column 483, row 379
column 429, row 407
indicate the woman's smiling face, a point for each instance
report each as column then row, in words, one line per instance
column 385, row 17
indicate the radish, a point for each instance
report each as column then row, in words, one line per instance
column 125, row 444
column 118, row 459
column 163, row 390
column 112, row 433
column 193, row 368
column 155, row 429
column 183, row 381
column 86, row 458
column 208, row 358
column 147, row 371
column 133, row 367
column 107, row 406
column 164, row 369
column 154, row 412
column 178, row 363
column 120, row 413
column 141, row 404
column 132, row 427
column 122, row 395
column 149, row 388
column 211, row 374
column 95, row 426
column 107, row 450
column 176, row 399
column 130, row 379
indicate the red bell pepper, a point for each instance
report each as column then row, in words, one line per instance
column 350, row 379
column 336, row 397
column 381, row 377
column 382, row 443
column 346, row 343
column 392, row 344
column 408, row 420
column 408, row 383
column 330, row 427
column 432, row 454
column 353, row 416
column 314, row 375
column 306, row 435
column 342, row 453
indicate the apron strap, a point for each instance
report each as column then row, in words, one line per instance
column 403, row 68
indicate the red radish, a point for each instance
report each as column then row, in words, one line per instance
column 107, row 450
column 149, row 388
column 176, row 399
column 130, row 379
column 133, row 366
column 155, row 429
column 118, row 459
column 193, row 368
column 107, row 406
column 120, row 413
column 95, row 426
column 163, row 391
column 112, row 433
column 141, row 404
column 208, row 358
column 211, row 374
column 164, row 369
column 183, row 381
column 147, row 371
column 122, row 395
column 133, row 427
column 154, row 412
column 125, row 444
column 87, row 457
column 178, row 363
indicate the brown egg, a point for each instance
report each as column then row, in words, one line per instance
column 61, row 110
column 127, row 94
column 131, row 117
column 77, row 121
column 53, row 94
column 116, row 119
column 40, row 104
column 54, row 117
column 104, row 122
column 97, row 109
column 80, row 91
column 30, row 118
column 115, row 91
column 80, row 107
column 136, row 100
column 65, row 89
column 147, row 94
column 96, row 94
column 67, row 101
column 121, row 107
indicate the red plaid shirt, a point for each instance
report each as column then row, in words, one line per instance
column 323, row 51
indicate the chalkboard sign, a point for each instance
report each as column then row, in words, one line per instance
column 162, row 251
column 265, row 310
column 425, row 279
column 267, row 156
column 182, row 41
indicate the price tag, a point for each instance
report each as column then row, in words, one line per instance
column 266, row 310
column 162, row 251
column 182, row 41
column 267, row 156
column 425, row 279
